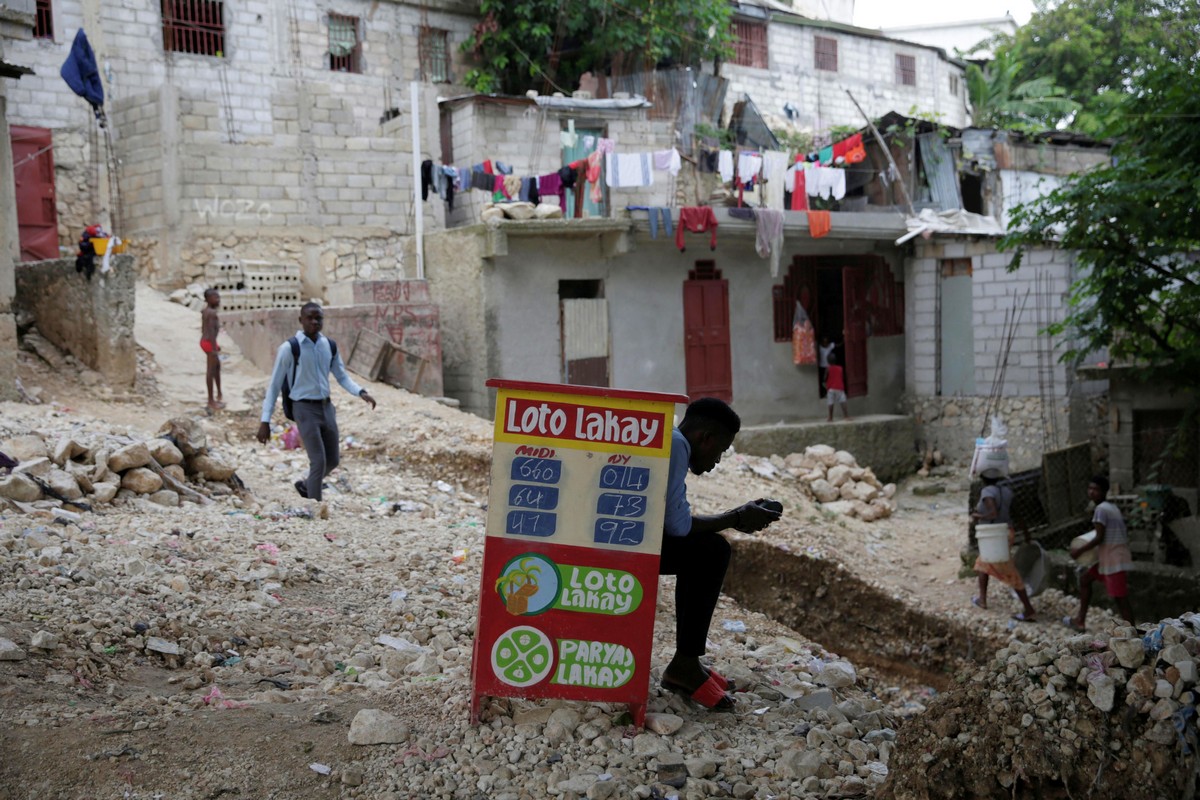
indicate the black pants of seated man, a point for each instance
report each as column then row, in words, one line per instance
column 317, row 424
column 699, row 562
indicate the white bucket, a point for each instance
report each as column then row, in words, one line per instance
column 1030, row 561
column 1091, row 556
column 993, row 542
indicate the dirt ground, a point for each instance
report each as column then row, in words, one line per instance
column 885, row 595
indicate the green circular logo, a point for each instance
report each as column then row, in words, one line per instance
column 522, row 656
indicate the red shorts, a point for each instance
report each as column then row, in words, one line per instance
column 208, row 346
column 1115, row 584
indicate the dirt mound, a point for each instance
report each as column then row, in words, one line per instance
column 1088, row 717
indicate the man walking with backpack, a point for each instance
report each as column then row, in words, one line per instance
column 301, row 374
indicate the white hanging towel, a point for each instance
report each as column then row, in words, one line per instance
column 749, row 165
column 569, row 137
column 725, row 165
column 774, row 172
column 628, row 170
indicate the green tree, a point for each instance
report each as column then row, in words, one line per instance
column 1094, row 49
column 1133, row 225
column 548, row 44
column 998, row 100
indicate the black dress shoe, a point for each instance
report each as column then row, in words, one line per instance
column 301, row 489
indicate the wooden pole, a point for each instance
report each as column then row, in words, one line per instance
column 888, row 153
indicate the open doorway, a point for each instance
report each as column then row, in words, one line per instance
column 583, row 317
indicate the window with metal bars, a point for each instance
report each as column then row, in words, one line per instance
column 44, row 27
column 194, row 26
column 954, row 86
column 825, row 53
column 906, row 70
column 435, row 55
column 345, row 48
column 750, row 43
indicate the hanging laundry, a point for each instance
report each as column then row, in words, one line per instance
column 512, row 186
column 799, row 192
column 804, row 338
column 749, row 164
column 499, row 195
column 503, row 169
column 589, row 142
column 568, row 137
column 482, row 180
column 818, row 223
column 426, row 178
column 606, row 146
column 697, row 219
column 668, row 160
column 552, row 186
column 774, row 178
column 825, row 155
column 740, row 213
column 708, row 159
column 594, row 161
column 628, row 170
column 725, row 166
column 769, row 240
column 655, row 213
column 529, row 191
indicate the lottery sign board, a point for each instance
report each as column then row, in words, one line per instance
column 574, row 531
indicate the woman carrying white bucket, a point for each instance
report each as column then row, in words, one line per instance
column 995, row 533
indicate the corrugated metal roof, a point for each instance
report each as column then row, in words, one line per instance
column 940, row 171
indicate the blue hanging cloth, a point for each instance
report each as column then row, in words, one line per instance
column 81, row 74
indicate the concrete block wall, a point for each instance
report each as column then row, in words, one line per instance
column 414, row 326
column 526, row 137
column 266, row 136
column 454, row 264
column 866, row 67
column 92, row 320
column 995, row 292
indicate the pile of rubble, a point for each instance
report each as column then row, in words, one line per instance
column 1097, row 716
column 88, row 469
column 835, row 480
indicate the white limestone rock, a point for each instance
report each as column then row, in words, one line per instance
column 373, row 726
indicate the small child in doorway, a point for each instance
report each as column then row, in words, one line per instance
column 835, row 387
column 210, row 326
column 1116, row 559
column 824, row 349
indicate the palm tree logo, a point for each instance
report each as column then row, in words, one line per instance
column 520, row 581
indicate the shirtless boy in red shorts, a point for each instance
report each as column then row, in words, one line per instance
column 210, row 325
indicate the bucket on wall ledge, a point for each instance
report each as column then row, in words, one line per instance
column 993, row 542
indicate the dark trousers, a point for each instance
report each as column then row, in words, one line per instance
column 699, row 561
column 319, row 432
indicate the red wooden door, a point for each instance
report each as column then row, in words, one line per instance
column 706, row 339
column 37, row 216
column 855, row 318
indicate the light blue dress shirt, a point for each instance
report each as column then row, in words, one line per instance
column 312, row 375
column 677, row 519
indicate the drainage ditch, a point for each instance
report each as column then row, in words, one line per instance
column 863, row 623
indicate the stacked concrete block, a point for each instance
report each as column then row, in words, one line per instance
column 252, row 285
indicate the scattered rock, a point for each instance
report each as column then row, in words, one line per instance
column 9, row 651
column 141, row 480
column 372, row 726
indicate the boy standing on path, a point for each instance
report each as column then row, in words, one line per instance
column 210, row 326
column 308, row 387
column 835, row 387
column 1112, row 538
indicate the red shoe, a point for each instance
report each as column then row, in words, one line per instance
column 710, row 694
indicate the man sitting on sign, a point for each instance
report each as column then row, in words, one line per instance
column 695, row 552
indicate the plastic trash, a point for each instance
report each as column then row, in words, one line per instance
column 291, row 438
column 397, row 595
column 442, row 486
column 459, row 555
column 396, row 643
column 320, row 769
column 734, row 625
